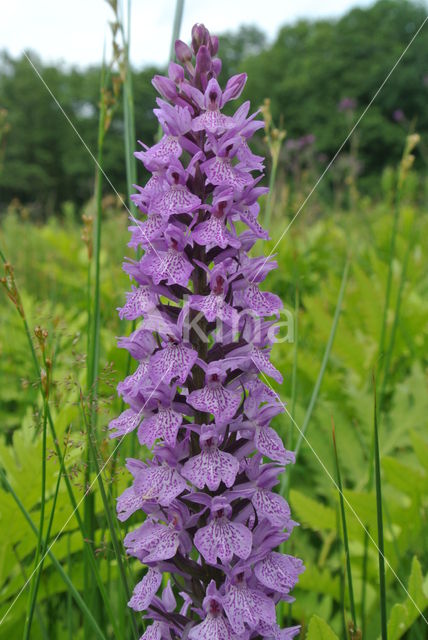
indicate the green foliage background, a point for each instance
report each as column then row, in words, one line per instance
column 344, row 221
column 306, row 72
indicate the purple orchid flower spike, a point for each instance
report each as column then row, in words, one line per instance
column 204, row 501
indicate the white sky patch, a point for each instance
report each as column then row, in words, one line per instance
column 74, row 31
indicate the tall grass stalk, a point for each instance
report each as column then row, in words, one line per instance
column 36, row 575
column 397, row 311
column 128, row 105
column 91, row 593
column 381, row 548
column 294, row 369
column 88, row 551
column 37, row 613
column 325, row 359
column 176, row 27
column 402, row 172
column 353, row 629
column 341, row 577
column 111, row 521
column 44, row 545
column 76, row 595
column 130, row 160
column 274, row 139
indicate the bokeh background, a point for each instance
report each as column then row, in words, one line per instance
column 352, row 255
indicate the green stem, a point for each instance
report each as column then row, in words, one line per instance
column 77, row 597
column 345, row 537
column 378, row 485
column 178, row 17
column 325, row 359
column 269, row 199
column 396, row 319
column 390, row 271
column 110, row 521
column 33, row 593
column 94, row 348
column 39, row 567
column 87, row 550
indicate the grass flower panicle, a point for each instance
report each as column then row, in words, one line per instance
column 213, row 521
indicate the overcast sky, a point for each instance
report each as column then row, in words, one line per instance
column 74, row 31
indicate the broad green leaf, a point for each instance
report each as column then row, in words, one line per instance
column 312, row 513
column 403, row 477
column 403, row 615
column 320, row 630
column 420, row 446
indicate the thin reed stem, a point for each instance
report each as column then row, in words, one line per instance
column 77, row 597
column 345, row 536
column 33, row 593
column 89, row 554
column 325, row 359
column 110, row 520
column 381, row 555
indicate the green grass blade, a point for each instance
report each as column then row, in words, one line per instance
column 128, row 110
column 93, row 356
column 110, row 520
column 397, row 311
column 178, row 17
column 353, row 630
column 88, row 552
column 48, row 533
column 341, row 578
column 76, row 595
column 69, row 599
column 294, row 369
column 325, row 359
column 33, row 593
column 176, row 27
column 393, row 240
column 378, row 485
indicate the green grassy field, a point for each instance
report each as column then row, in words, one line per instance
column 335, row 349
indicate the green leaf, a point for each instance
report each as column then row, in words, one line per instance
column 407, row 479
column 403, row 615
column 319, row 630
column 312, row 513
column 420, row 445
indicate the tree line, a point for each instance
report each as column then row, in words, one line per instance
column 319, row 75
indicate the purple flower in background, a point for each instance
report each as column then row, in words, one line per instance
column 398, row 115
column 205, row 500
column 347, row 104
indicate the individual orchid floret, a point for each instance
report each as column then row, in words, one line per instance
column 215, row 625
column 169, row 263
column 203, row 498
column 212, row 119
column 176, row 197
column 214, row 306
column 212, row 466
column 246, row 606
column 223, row 538
column 214, row 397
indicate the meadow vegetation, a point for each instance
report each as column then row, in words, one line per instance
column 352, row 275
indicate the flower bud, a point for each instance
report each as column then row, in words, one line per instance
column 175, row 73
column 165, row 87
column 200, row 36
column 203, row 60
column 213, row 45
column 234, row 87
column 216, row 66
column 183, row 51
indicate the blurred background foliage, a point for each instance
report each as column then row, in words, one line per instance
column 306, row 72
column 319, row 76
